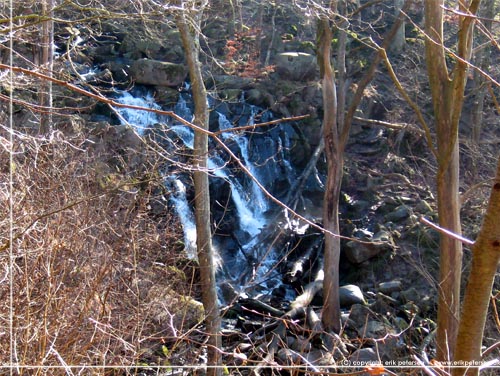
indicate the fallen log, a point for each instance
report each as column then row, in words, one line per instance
column 260, row 307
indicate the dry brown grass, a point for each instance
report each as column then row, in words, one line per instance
column 93, row 270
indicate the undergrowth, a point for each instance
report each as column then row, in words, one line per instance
column 92, row 267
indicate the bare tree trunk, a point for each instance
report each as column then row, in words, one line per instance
column 482, row 60
column 45, row 93
column 450, row 256
column 447, row 90
column 336, row 125
column 202, row 196
column 485, row 259
column 399, row 42
column 331, row 302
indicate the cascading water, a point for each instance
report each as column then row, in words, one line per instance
column 185, row 213
column 139, row 119
column 247, row 256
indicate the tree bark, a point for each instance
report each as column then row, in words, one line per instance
column 448, row 95
column 46, row 65
column 336, row 125
column 482, row 60
column 485, row 259
column 399, row 42
column 202, row 197
column 331, row 303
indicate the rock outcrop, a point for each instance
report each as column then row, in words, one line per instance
column 158, row 73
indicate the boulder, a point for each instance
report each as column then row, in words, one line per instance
column 296, row 66
column 350, row 295
column 390, row 287
column 158, row 73
column 357, row 252
column 399, row 214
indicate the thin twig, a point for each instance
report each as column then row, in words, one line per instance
column 446, row 232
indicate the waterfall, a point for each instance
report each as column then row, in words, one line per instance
column 140, row 120
column 250, row 220
column 249, row 259
column 257, row 197
column 185, row 213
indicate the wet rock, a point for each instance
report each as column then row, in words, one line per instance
column 166, row 96
column 296, row 66
column 119, row 69
column 159, row 73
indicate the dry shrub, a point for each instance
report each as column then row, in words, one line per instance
column 86, row 253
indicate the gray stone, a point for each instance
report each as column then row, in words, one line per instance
column 400, row 213
column 411, row 295
column 389, row 287
column 359, row 315
column 423, row 207
column 350, row 295
column 296, row 66
column 364, row 355
column 159, row 73
column 375, row 329
column 357, row 252
column 384, row 237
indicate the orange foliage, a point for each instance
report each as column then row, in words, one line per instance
column 376, row 370
column 243, row 55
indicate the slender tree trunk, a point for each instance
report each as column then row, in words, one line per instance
column 448, row 95
column 336, row 125
column 450, row 256
column 482, row 60
column 399, row 42
column 202, row 198
column 45, row 93
column 331, row 302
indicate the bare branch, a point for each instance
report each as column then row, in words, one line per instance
column 446, row 232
